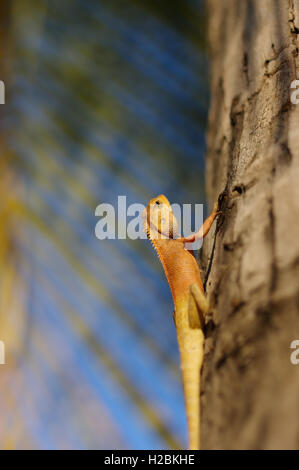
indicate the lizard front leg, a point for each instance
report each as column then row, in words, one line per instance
column 205, row 228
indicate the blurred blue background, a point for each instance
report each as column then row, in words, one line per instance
column 103, row 98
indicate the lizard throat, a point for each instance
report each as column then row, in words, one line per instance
column 158, row 249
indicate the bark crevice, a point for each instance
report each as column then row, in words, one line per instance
column 249, row 384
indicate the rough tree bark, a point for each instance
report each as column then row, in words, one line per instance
column 250, row 393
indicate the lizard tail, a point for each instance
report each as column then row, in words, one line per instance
column 191, row 344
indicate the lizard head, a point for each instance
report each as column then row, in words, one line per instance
column 159, row 221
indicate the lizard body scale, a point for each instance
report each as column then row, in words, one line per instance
column 190, row 304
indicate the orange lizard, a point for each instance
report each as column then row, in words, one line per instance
column 190, row 303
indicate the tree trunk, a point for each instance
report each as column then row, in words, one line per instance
column 250, row 396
